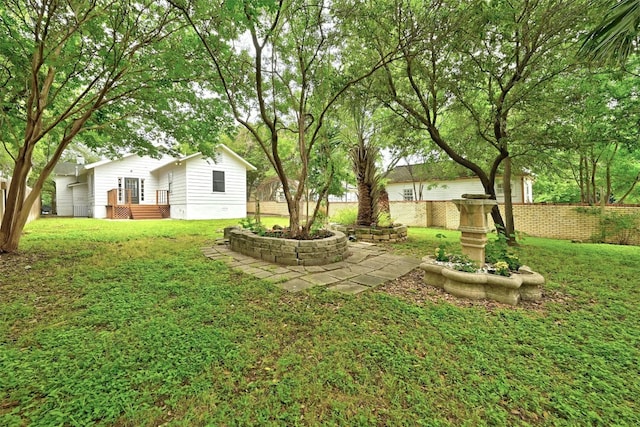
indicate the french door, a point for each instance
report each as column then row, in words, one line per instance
column 131, row 186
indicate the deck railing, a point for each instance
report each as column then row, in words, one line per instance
column 162, row 197
column 114, row 200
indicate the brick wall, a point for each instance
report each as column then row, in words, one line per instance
column 569, row 222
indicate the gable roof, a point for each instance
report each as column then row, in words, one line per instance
column 440, row 171
column 67, row 168
column 70, row 168
column 437, row 171
column 232, row 153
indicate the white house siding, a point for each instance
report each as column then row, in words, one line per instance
column 448, row 190
column 91, row 193
column 64, row 195
column 202, row 201
column 80, row 206
column 178, row 195
column 106, row 178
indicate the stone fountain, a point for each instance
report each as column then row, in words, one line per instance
column 474, row 226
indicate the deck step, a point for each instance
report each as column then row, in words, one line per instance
column 145, row 212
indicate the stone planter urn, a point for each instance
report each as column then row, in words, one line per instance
column 521, row 286
column 474, row 226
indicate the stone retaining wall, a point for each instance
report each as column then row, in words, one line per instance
column 374, row 235
column 290, row 251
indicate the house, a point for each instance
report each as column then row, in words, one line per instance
column 190, row 187
column 447, row 181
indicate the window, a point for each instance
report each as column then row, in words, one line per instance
column 170, row 181
column 142, row 189
column 499, row 188
column 407, row 194
column 218, row 182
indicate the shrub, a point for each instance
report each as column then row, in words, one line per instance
column 319, row 222
column 385, row 220
column 498, row 252
column 253, row 225
column 619, row 228
column 347, row 216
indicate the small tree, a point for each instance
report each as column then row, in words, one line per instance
column 288, row 69
column 71, row 68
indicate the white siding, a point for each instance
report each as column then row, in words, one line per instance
column 448, row 190
column 64, row 195
column 91, row 193
column 80, row 207
column 202, row 202
column 106, row 178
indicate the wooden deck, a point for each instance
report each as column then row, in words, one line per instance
column 125, row 209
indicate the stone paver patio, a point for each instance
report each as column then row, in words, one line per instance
column 368, row 266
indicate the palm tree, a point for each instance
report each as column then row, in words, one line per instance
column 617, row 35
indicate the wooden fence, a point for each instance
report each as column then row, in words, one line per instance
column 4, row 191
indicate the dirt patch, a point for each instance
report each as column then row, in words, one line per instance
column 410, row 287
column 15, row 263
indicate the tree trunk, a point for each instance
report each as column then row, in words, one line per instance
column 294, row 216
column 18, row 205
column 630, row 190
column 508, row 203
column 583, row 192
column 365, row 204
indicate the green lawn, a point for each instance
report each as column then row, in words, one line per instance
column 126, row 323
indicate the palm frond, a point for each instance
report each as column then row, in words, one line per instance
column 617, row 35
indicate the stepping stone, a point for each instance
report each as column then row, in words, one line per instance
column 343, row 273
column 295, row 285
column 356, row 258
column 367, row 280
column 250, row 270
column 389, row 272
column 319, row 278
column 348, row 288
column 262, row 274
column 374, row 262
column 315, row 269
column 335, row 266
column 360, row 270
column 276, row 269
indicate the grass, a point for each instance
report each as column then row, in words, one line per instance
column 126, row 323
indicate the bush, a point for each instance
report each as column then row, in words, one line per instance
column 347, row 216
column 385, row 220
column 619, row 228
column 256, row 227
column 498, row 251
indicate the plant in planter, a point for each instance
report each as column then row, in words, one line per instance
column 499, row 254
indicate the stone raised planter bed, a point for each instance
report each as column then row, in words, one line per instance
column 396, row 233
column 289, row 251
column 524, row 285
